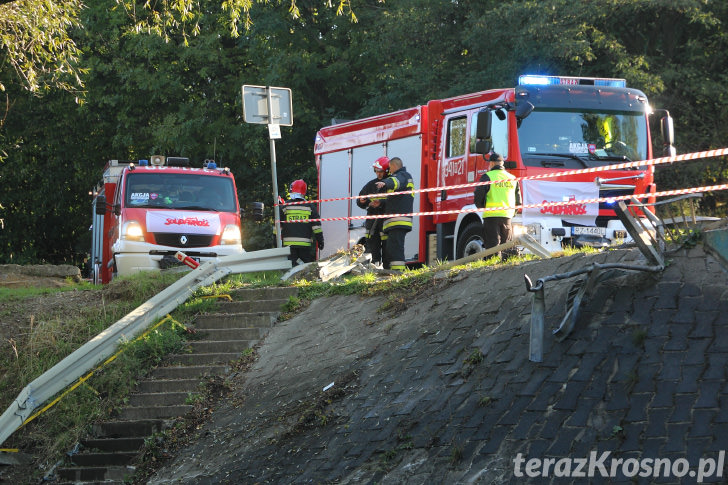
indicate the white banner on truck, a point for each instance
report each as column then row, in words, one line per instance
column 186, row 222
column 539, row 192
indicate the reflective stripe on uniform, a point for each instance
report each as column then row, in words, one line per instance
column 404, row 222
column 296, row 241
column 298, row 213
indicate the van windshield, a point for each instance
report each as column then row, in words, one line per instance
column 595, row 138
column 180, row 191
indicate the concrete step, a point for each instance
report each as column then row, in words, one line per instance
column 225, row 346
column 128, row 429
column 95, row 474
column 222, row 337
column 169, row 385
column 102, row 459
column 223, row 334
column 203, row 359
column 251, row 306
column 191, row 371
column 113, row 444
column 268, row 293
column 158, row 398
column 154, row 412
column 234, row 320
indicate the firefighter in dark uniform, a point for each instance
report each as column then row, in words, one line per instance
column 503, row 192
column 375, row 238
column 400, row 207
column 299, row 235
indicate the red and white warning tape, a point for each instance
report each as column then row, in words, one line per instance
column 545, row 205
column 617, row 166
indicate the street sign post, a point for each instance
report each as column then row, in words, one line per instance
column 273, row 107
column 260, row 101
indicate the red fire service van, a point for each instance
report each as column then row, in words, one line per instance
column 144, row 213
column 546, row 124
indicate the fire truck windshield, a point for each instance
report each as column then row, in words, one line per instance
column 180, row 191
column 590, row 137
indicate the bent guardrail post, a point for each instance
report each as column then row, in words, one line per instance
column 642, row 238
column 538, row 309
column 104, row 344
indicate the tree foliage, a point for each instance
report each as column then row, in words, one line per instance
column 178, row 91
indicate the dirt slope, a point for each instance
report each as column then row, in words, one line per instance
column 438, row 388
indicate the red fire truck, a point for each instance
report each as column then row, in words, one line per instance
column 145, row 213
column 546, row 124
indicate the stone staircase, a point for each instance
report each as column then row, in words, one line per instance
column 107, row 455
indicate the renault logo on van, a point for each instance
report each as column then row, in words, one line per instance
column 183, row 240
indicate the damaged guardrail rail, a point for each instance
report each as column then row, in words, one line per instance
column 643, row 232
column 575, row 297
column 83, row 359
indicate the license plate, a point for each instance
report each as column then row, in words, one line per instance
column 588, row 230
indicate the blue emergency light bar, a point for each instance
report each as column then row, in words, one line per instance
column 536, row 80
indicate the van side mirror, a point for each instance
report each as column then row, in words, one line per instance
column 483, row 128
column 100, row 205
column 258, row 208
column 668, row 135
column 510, row 164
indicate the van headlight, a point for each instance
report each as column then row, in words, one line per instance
column 518, row 230
column 231, row 235
column 533, row 230
column 132, row 231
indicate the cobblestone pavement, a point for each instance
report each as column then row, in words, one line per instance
column 439, row 388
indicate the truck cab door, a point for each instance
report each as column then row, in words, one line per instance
column 455, row 164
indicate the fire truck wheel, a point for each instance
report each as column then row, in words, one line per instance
column 471, row 240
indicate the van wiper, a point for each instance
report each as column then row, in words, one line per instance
column 555, row 163
column 194, row 207
column 613, row 158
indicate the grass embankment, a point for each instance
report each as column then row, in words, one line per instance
column 50, row 336
column 45, row 333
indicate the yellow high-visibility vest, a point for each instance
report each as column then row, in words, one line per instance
column 502, row 192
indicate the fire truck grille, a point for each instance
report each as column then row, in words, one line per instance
column 177, row 240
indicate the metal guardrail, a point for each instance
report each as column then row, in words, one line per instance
column 644, row 232
column 578, row 292
column 86, row 357
column 525, row 240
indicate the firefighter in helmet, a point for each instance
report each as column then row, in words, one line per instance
column 375, row 238
column 299, row 236
column 399, row 207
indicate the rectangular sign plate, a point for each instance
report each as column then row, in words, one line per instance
column 589, row 230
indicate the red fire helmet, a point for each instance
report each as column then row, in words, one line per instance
column 299, row 187
column 381, row 163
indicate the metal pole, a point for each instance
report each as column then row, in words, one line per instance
column 275, row 192
column 273, row 170
column 538, row 309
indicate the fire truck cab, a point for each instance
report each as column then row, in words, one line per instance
column 144, row 213
column 546, row 124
